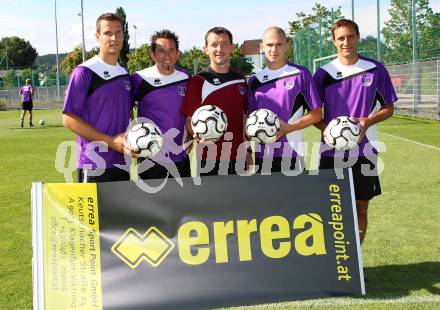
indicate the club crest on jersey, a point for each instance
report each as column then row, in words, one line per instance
column 366, row 81
column 127, row 85
column 288, row 84
column 106, row 74
column 216, row 81
column 242, row 89
column 181, row 90
column 157, row 82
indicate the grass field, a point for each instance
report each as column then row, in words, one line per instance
column 401, row 252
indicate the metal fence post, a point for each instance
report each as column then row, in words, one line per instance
column 438, row 89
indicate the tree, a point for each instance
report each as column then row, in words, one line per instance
column 74, row 58
column 139, row 58
column 398, row 31
column 20, row 52
column 305, row 32
column 123, row 57
column 240, row 63
column 368, row 47
column 193, row 60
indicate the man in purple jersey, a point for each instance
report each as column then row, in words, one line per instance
column 352, row 85
column 26, row 93
column 98, row 106
column 159, row 91
column 289, row 91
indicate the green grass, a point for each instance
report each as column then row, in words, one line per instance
column 401, row 252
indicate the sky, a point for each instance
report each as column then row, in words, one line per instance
column 34, row 20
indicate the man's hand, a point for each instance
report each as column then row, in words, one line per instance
column 119, row 144
column 364, row 124
column 283, row 129
column 324, row 135
column 205, row 141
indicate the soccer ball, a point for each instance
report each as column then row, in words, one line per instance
column 42, row 122
column 262, row 126
column 209, row 122
column 342, row 133
column 145, row 139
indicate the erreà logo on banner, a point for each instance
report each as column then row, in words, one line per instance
column 194, row 244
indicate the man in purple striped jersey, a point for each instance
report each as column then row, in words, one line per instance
column 26, row 93
column 359, row 87
column 289, row 91
column 159, row 92
column 98, row 107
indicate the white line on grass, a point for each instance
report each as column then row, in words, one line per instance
column 353, row 301
column 411, row 141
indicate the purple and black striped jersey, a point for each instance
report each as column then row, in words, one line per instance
column 355, row 91
column 100, row 94
column 26, row 93
column 159, row 99
column 288, row 92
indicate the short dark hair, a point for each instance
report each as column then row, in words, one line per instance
column 164, row 34
column 345, row 23
column 107, row 16
column 218, row 30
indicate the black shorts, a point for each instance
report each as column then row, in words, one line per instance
column 159, row 171
column 292, row 163
column 27, row 106
column 108, row 175
column 366, row 186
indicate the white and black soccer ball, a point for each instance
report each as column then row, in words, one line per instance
column 145, row 139
column 209, row 122
column 262, row 126
column 342, row 133
column 42, row 122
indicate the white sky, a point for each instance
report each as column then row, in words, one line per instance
column 34, row 20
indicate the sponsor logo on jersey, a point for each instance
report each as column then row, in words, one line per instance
column 127, row 85
column 157, row 82
column 242, row 89
column 106, row 74
column 216, row 81
column 181, row 90
column 265, row 77
column 339, row 74
column 366, row 81
column 288, row 84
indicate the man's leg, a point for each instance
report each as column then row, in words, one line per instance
column 30, row 119
column 362, row 215
column 23, row 113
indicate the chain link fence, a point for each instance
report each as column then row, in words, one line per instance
column 45, row 97
column 418, row 88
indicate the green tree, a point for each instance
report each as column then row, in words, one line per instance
column 30, row 74
column 10, row 78
column 398, row 31
column 241, row 63
column 139, row 58
column 74, row 58
column 193, row 60
column 368, row 47
column 20, row 52
column 312, row 30
column 123, row 57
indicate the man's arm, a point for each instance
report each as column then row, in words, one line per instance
column 77, row 125
column 385, row 112
column 311, row 118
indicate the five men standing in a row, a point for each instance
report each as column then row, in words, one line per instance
column 101, row 96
